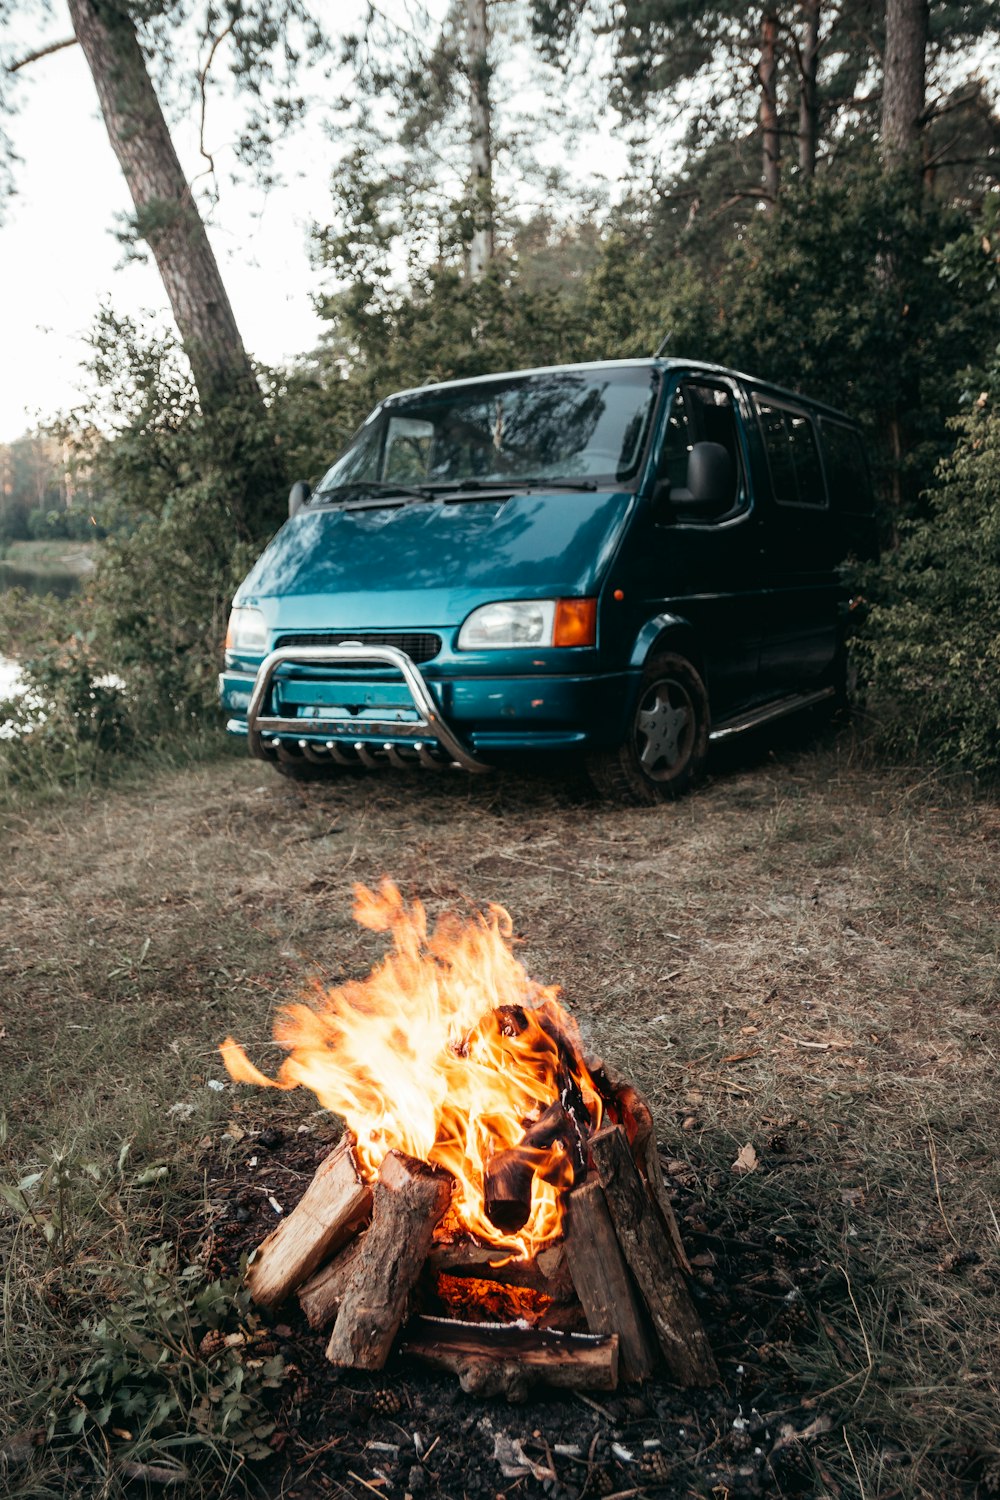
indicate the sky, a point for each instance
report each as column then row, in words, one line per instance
column 59, row 258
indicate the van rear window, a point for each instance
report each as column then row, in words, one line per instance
column 792, row 454
column 846, row 468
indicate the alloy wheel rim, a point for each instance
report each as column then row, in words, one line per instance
column 664, row 729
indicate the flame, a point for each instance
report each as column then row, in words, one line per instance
column 448, row 1051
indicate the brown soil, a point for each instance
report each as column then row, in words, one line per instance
column 801, row 958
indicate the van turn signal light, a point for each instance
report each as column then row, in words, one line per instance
column 575, row 622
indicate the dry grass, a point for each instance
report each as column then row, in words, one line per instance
column 803, row 957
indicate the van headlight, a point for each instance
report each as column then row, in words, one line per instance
column 247, row 633
column 530, row 622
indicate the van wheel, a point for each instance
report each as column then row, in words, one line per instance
column 666, row 747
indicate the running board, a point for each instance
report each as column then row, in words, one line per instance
column 768, row 711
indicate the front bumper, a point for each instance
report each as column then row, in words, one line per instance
column 352, row 703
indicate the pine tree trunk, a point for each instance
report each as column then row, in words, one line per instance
column 808, row 100
column 477, row 42
column 903, row 82
column 767, row 73
column 166, row 214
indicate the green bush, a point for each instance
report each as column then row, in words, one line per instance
column 930, row 649
column 169, row 1372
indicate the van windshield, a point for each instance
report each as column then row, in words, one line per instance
column 559, row 427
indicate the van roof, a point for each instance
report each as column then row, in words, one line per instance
column 651, row 363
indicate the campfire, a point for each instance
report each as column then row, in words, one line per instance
column 496, row 1204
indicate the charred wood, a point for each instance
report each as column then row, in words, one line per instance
column 545, row 1272
column 632, row 1111
column 509, row 1174
column 491, row 1360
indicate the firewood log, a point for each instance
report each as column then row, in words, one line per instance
column 508, row 1176
column 651, row 1260
column 491, row 1360
column 332, row 1209
column 320, row 1297
column 410, row 1198
column 603, row 1283
column 545, row 1272
column 635, row 1114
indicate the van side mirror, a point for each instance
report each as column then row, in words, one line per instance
column 297, row 497
column 711, row 480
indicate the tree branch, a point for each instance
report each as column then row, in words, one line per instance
column 947, row 106
column 203, row 91
column 69, row 41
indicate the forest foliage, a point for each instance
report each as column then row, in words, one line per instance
column 781, row 236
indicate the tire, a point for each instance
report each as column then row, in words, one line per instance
column 666, row 747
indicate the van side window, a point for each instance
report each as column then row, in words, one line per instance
column 846, row 468
column 699, row 414
column 792, row 454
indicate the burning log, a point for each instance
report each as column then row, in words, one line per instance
column 334, row 1206
column 546, row 1272
column 410, row 1198
column 637, row 1225
column 491, row 1360
column 509, row 1174
column 436, row 1062
column 603, row 1283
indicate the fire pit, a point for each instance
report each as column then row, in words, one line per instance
column 496, row 1204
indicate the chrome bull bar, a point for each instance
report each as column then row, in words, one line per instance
column 430, row 723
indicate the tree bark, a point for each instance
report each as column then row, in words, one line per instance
column 477, row 42
column 808, row 95
column 903, row 82
column 767, row 73
column 167, row 217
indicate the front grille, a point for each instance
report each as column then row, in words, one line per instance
column 418, row 646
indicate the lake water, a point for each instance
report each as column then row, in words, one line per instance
column 10, row 678
column 58, row 581
column 10, row 687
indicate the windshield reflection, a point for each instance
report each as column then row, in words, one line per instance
column 559, row 427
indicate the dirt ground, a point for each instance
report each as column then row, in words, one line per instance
column 801, row 958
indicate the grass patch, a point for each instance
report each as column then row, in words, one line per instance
column 802, row 957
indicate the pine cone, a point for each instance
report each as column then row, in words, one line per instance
column 386, row 1402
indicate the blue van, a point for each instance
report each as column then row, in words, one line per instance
column 622, row 560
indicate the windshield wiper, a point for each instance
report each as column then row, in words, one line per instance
column 373, row 489
column 513, row 482
column 365, row 492
column 543, row 482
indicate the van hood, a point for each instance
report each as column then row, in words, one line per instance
column 430, row 562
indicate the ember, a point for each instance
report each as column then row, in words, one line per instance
column 488, row 1171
